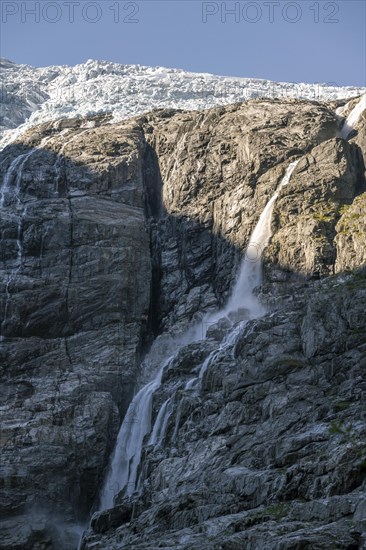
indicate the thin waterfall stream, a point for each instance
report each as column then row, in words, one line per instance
column 352, row 118
column 126, row 457
column 14, row 173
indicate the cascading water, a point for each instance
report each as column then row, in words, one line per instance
column 226, row 345
column 250, row 273
column 15, row 171
column 353, row 117
column 122, row 474
column 137, row 423
column 161, row 422
column 250, row 276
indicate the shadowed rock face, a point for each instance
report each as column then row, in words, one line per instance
column 74, row 315
column 115, row 233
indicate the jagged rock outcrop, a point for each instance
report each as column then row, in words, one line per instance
column 114, row 233
column 351, row 233
column 351, row 228
column 307, row 213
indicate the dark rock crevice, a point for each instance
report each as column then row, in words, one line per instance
column 71, row 261
column 154, row 211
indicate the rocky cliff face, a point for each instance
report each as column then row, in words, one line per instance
column 115, row 233
column 270, row 453
column 351, row 226
column 74, row 315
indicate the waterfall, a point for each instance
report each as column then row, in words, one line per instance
column 15, row 170
column 122, row 473
column 242, row 306
column 227, row 346
column 16, row 167
column 161, row 422
column 353, row 117
column 250, row 275
column 228, row 343
column 14, row 174
column 242, row 298
column 136, row 425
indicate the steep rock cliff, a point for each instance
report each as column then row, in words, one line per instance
column 74, row 315
column 114, row 233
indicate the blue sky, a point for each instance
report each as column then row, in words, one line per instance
column 303, row 41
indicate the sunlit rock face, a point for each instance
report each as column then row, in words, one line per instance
column 113, row 233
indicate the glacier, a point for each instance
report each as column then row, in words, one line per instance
column 33, row 95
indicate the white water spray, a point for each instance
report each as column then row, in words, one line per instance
column 353, row 117
column 136, row 425
column 250, row 274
